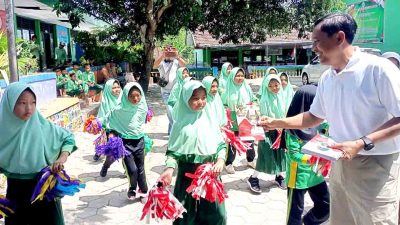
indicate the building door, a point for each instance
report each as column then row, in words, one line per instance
column 48, row 44
column 48, row 49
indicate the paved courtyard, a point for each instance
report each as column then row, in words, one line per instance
column 104, row 200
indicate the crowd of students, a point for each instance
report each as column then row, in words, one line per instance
column 29, row 142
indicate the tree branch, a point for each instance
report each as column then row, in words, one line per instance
column 149, row 14
column 162, row 10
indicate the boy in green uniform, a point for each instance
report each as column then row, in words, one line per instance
column 74, row 87
column 75, row 69
column 300, row 176
column 61, row 82
column 61, row 54
column 89, row 81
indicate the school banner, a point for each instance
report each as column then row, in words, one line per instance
column 62, row 35
column 369, row 15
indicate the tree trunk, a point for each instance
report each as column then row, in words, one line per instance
column 149, row 46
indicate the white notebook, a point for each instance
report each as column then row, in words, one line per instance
column 319, row 146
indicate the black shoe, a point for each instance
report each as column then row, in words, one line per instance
column 103, row 171
column 131, row 194
column 280, row 181
column 96, row 157
column 254, row 184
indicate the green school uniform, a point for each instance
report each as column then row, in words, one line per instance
column 61, row 81
column 270, row 161
column 176, row 90
column 61, row 56
column 214, row 108
column 26, row 147
column 194, row 140
column 236, row 95
column 223, row 78
column 78, row 74
column 74, row 88
column 268, row 72
column 89, row 82
column 108, row 100
column 127, row 119
column 300, row 174
column 287, row 92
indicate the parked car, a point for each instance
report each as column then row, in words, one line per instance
column 313, row 71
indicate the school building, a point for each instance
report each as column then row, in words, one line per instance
column 36, row 17
column 286, row 49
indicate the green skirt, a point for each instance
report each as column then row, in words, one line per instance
column 198, row 212
column 270, row 161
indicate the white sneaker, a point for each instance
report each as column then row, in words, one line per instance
column 230, row 169
column 251, row 164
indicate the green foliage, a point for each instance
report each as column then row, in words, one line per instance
column 144, row 22
column 306, row 12
column 179, row 42
column 26, row 63
column 100, row 48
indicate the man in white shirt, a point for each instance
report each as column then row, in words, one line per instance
column 359, row 96
column 167, row 65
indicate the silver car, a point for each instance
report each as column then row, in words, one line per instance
column 313, row 71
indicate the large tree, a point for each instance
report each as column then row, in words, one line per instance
column 147, row 20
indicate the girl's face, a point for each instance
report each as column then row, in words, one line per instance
column 134, row 97
column 25, row 105
column 198, row 100
column 185, row 73
column 284, row 80
column 116, row 89
column 87, row 68
column 214, row 88
column 274, row 86
column 239, row 77
column 73, row 77
column 228, row 70
column 272, row 71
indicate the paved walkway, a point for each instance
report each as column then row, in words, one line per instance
column 104, row 200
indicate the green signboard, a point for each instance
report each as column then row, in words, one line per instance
column 369, row 15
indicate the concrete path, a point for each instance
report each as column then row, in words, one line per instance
column 104, row 200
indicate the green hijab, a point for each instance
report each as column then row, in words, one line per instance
column 237, row 94
column 26, row 147
column 215, row 108
column 271, row 104
column 194, row 136
column 173, row 97
column 223, row 79
column 266, row 74
column 108, row 100
column 287, row 92
column 127, row 119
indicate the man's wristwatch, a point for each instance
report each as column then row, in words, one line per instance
column 368, row 144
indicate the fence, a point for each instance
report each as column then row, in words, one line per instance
column 290, row 70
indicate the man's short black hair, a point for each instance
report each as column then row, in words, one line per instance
column 335, row 22
column 75, row 64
